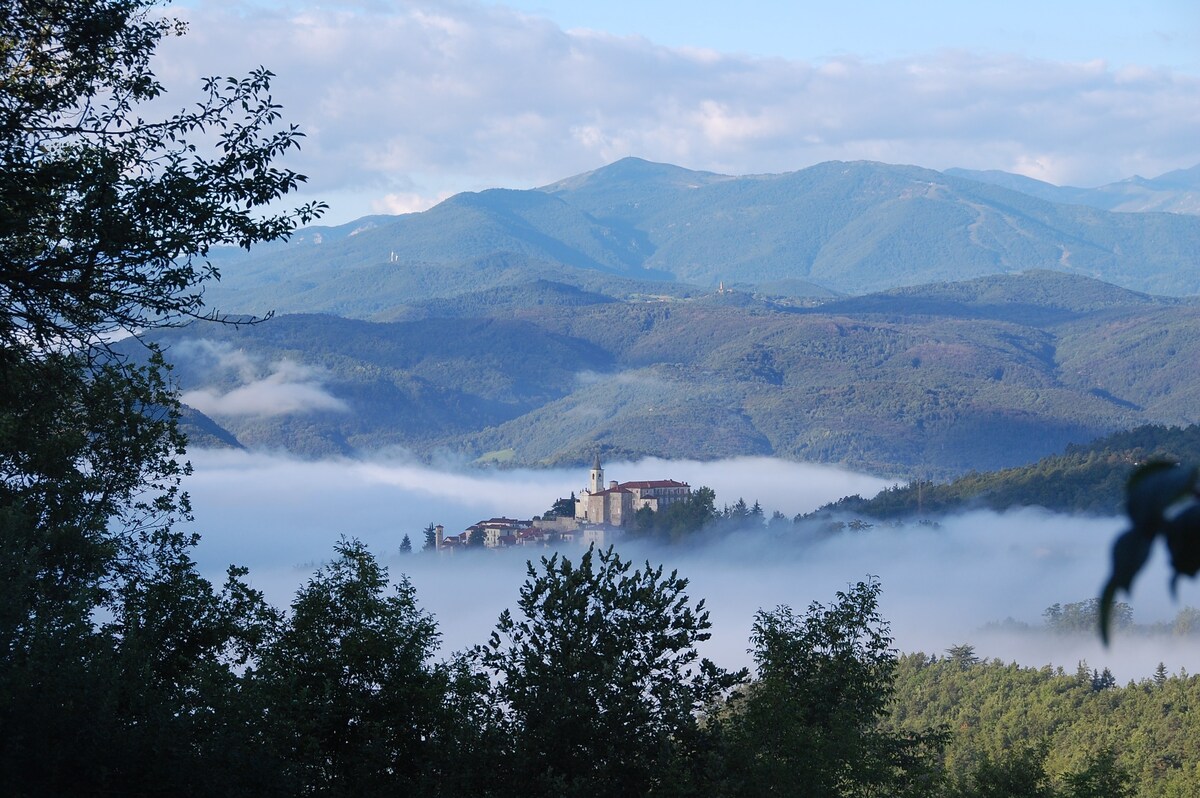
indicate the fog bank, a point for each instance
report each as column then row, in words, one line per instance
column 941, row 585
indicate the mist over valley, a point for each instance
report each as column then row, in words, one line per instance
column 925, row 382
column 944, row 585
column 853, row 342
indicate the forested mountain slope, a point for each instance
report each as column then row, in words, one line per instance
column 1026, row 728
column 1087, row 478
column 930, row 381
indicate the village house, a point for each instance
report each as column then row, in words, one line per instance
column 501, row 533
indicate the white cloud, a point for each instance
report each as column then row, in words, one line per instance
column 405, row 202
column 282, row 387
column 426, row 97
column 645, row 378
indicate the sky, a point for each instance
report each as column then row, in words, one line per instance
column 406, row 103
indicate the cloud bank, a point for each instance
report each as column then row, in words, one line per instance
column 405, row 103
column 941, row 585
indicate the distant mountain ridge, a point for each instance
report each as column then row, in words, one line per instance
column 1174, row 192
column 636, row 227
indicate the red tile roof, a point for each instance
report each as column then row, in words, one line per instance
column 655, row 483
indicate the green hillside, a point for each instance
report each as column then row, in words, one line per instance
column 409, row 384
column 1013, row 730
column 931, row 382
column 1088, row 478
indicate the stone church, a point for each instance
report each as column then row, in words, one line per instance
column 616, row 504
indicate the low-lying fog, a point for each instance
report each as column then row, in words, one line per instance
column 281, row 517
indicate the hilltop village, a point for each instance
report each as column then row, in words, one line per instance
column 599, row 515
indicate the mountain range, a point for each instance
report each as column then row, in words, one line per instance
column 1173, row 192
column 889, row 318
column 636, row 228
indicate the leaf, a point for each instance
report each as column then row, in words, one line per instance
column 1129, row 554
column 1183, row 541
column 1153, row 488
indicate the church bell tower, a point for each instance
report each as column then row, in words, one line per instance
column 596, row 482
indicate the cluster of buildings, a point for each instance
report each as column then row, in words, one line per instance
column 601, row 513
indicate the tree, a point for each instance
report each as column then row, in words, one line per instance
column 779, row 522
column 405, row 545
column 353, row 702
column 962, row 655
column 106, row 222
column 562, row 508
column 678, row 521
column 1101, row 777
column 1186, row 623
column 1103, row 680
column 1160, row 675
column 430, row 533
column 600, row 679
column 1018, row 773
column 179, row 647
column 1081, row 617
column 810, row 724
column 109, row 217
column 740, row 511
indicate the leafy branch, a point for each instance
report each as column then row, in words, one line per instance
column 1161, row 500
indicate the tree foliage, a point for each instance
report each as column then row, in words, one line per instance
column 678, row 521
column 811, row 724
column 562, row 508
column 1154, row 493
column 108, row 215
column 107, row 220
column 354, row 700
column 599, row 677
column 116, row 658
column 1019, row 731
column 1084, row 478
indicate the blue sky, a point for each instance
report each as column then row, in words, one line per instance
column 406, row 103
column 1161, row 34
